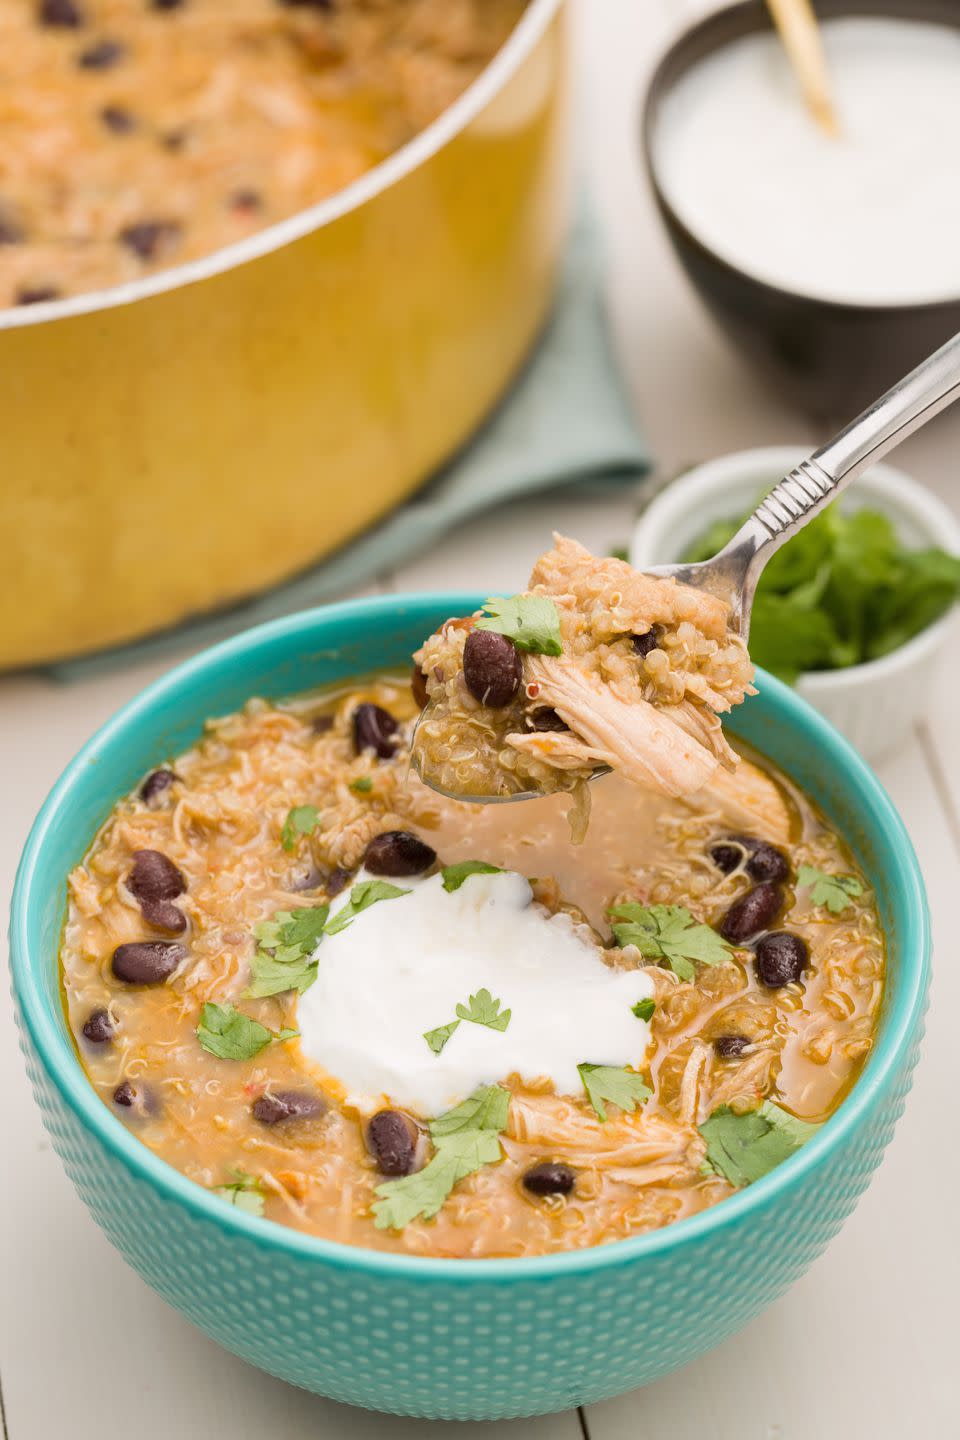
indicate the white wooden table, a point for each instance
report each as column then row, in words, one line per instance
column 865, row 1345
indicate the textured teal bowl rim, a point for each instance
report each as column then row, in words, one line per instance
column 53, row 1046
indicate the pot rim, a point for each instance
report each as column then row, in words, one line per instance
column 727, row 25
column 518, row 45
column 56, row 1053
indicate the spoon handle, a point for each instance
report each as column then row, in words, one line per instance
column 914, row 400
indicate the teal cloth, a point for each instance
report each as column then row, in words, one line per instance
column 566, row 422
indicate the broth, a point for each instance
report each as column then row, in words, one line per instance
column 723, row 1042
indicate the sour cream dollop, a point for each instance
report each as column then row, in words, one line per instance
column 401, row 967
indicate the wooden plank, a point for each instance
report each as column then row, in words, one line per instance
column 863, row 1347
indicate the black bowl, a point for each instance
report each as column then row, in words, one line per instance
column 833, row 359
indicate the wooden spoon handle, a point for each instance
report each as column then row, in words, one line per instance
column 800, row 34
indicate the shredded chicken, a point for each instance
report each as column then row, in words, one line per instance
column 646, row 669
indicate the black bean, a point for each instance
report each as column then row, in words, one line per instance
column 398, row 852
column 155, row 877
column 249, row 200
column 549, row 1178
column 337, row 880
column 148, row 238
column 729, row 1046
column 418, row 684
column 781, row 959
column 103, row 55
column 62, row 13
column 11, row 231
column 37, row 294
column 767, row 863
column 154, row 789
column 174, row 140
column 165, row 4
column 761, row 860
column 643, row 644
column 310, row 879
column 375, row 729
column 147, row 962
column 326, row 5
column 118, row 119
column 98, row 1027
column 492, row 668
column 752, row 913
column 164, row 915
column 547, row 719
column 125, row 1095
column 392, row 1138
column 276, row 1106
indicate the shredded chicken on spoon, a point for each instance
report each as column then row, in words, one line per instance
column 594, row 665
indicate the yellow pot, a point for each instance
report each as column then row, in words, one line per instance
column 174, row 445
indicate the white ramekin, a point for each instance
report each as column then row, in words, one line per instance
column 874, row 704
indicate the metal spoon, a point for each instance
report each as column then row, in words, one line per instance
column 733, row 573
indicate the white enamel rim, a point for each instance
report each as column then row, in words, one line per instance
column 892, row 490
column 521, row 41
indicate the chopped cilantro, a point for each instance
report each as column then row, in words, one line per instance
column 844, row 590
column 614, row 1083
column 362, row 785
column 644, row 1009
column 741, row 1148
column 530, row 621
column 454, row 875
column 362, row 896
column 833, row 891
column 484, row 1010
column 436, row 1039
column 465, row 1139
column 243, row 1191
column 669, row 933
column 283, row 960
column 301, row 820
column 227, row 1033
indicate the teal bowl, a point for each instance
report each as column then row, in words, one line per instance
column 459, row 1339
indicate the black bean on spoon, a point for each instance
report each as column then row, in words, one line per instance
column 276, row 1106
column 398, row 852
column 780, row 959
column 643, row 644
column 375, row 729
column 492, row 668
column 549, row 1177
column 547, row 719
column 392, row 1139
column 418, row 685
column 752, row 913
column 147, row 962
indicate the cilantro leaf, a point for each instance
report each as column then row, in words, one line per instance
column 284, row 958
column 436, row 1039
column 465, row 1139
column 301, row 820
column 362, row 896
column 669, row 933
column 741, row 1148
column 614, row 1083
column 227, row 1033
column 644, row 1009
column 362, row 785
column 243, row 1191
column 454, row 875
column 833, row 891
column 530, row 621
column 484, row 1010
